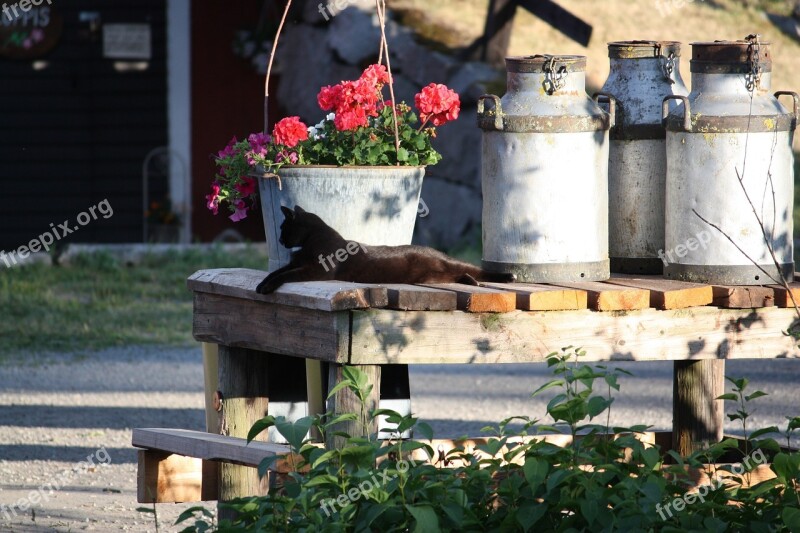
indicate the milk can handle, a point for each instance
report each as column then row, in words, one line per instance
column 498, row 110
column 687, row 111
column 796, row 98
column 612, row 107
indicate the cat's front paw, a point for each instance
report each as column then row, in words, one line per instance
column 267, row 286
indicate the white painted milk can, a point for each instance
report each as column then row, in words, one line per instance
column 730, row 184
column 641, row 74
column 544, row 173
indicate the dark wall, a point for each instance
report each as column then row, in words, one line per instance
column 77, row 131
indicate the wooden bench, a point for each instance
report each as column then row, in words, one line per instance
column 335, row 323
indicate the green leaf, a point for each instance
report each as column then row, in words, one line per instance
column 756, row 394
column 757, row 433
column 323, row 458
column 530, row 513
column 589, row 510
column 425, row 517
column 548, row 385
column 425, row 430
column 339, row 386
column 260, row 425
column 598, row 404
column 728, row 396
column 535, row 471
column 791, row 518
column 294, row 432
column 265, row 463
column 402, row 154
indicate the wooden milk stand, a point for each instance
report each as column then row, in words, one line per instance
column 262, row 337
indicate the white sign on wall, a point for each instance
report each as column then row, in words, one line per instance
column 126, row 41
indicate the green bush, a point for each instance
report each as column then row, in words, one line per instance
column 597, row 483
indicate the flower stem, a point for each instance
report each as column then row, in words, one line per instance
column 381, row 8
column 269, row 65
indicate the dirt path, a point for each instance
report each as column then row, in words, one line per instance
column 57, row 411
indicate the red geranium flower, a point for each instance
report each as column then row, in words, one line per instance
column 437, row 104
column 290, row 131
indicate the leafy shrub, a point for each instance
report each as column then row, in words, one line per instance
column 606, row 479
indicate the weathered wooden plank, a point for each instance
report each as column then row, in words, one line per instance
column 782, row 298
column 322, row 295
column 667, row 293
column 418, row 298
column 743, row 297
column 536, row 297
column 163, row 477
column 382, row 336
column 307, row 333
column 610, row 297
column 475, row 299
column 207, row 446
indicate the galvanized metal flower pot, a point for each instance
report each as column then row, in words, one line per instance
column 372, row 205
column 730, row 165
column 641, row 74
column 545, row 173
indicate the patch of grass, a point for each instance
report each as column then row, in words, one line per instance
column 99, row 303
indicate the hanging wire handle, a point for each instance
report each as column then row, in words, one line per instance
column 554, row 78
column 753, row 77
column 667, row 62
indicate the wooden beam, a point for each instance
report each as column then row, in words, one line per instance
column 245, row 398
column 610, row 297
column 560, row 19
column 417, row 298
column 667, row 293
column 782, row 298
column 208, row 446
column 743, row 297
column 322, row 295
column 307, row 333
column 536, row 297
column 413, row 337
column 476, row 299
column 697, row 415
column 163, row 477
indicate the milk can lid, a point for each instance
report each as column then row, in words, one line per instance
column 727, row 57
column 540, row 63
column 642, row 49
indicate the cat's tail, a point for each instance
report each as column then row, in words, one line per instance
column 485, row 275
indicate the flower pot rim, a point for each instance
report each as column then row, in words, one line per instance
column 361, row 167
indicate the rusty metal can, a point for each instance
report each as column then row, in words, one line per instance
column 544, row 173
column 641, row 74
column 730, row 183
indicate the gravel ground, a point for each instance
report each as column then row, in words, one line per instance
column 58, row 410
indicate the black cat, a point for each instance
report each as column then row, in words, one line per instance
column 326, row 255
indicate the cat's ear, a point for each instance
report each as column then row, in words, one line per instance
column 287, row 213
column 299, row 210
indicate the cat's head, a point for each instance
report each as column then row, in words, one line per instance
column 297, row 225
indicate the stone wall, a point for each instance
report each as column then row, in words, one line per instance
column 328, row 46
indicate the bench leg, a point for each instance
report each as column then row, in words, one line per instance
column 697, row 416
column 245, row 398
column 345, row 401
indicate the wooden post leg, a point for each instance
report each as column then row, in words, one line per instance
column 697, row 416
column 345, row 401
column 245, row 397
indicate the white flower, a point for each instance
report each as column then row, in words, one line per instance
column 330, row 116
column 320, row 125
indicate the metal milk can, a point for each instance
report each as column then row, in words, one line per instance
column 730, row 184
column 642, row 73
column 544, row 173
